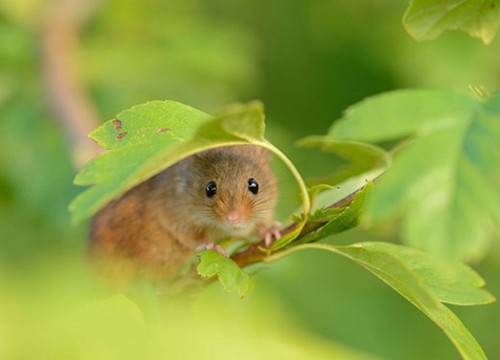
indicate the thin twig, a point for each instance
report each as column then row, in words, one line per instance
column 69, row 100
column 253, row 254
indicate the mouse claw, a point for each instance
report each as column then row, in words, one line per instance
column 272, row 234
column 212, row 246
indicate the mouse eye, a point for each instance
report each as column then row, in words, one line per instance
column 211, row 188
column 253, row 186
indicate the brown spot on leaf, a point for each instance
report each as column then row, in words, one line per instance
column 117, row 124
column 121, row 135
column 492, row 5
column 162, row 130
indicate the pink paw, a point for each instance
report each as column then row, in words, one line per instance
column 212, row 246
column 271, row 234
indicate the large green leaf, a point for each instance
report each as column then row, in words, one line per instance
column 148, row 138
column 444, row 182
column 423, row 281
column 427, row 19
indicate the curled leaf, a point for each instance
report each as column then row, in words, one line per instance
column 230, row 275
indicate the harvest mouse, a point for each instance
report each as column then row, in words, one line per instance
column 154, row 229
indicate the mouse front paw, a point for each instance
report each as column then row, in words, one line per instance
column 209, row 245
column 270, row 234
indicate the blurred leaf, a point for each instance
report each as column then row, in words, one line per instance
column 208, row 59
column 362, row 157
column 230, row 275
column 38, row 197
column 443, row 183
column 63, row 314
column 25, row 12
column 117, row 325
column 427, row 19
column 423, row 281
column 150, row 137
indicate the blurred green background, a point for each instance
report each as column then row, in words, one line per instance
column 306, row 60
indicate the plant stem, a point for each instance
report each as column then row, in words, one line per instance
column 302, row 186
column 69, row 100
column 254, row 253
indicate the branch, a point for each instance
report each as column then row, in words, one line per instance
column 70, row 103
column 253, row 254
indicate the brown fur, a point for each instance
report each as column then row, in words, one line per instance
column 153, row 230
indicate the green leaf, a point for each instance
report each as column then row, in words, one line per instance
column 230, row 275
column 444, row 182
column 361, row 157
column 146, row 139
column 152, row 122
column 454, row 283
column 427, row 19
column 423, row 281
column 397, row 114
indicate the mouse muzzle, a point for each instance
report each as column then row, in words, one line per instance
column 235, row 218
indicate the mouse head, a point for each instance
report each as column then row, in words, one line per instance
column 233, row 189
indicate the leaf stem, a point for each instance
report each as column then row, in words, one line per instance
column 254, row 253
column 306, row 203
column 281, row 254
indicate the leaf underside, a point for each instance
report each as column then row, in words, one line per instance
column 147, row 138
column 427, row 19
column 443, row 183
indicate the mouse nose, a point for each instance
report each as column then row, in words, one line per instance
column 234, row 217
